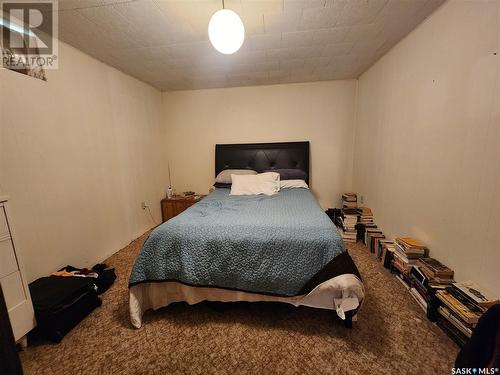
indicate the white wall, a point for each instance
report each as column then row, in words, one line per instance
column 321, row 112
column 427, row 152
column 77, row 156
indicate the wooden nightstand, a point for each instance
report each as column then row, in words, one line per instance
column 175, row 205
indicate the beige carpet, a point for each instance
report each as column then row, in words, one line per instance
column 391, row 336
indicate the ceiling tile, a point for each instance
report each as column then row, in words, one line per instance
column 297, row 5
column 330, row 35
column 79, row 4
column 281, row 53
column 264, row 41
column 278, row 22
column 360, row 32
column 316, row 18
column 296, row 38
column 360, row 11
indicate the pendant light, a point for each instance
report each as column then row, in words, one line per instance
column 226, row 31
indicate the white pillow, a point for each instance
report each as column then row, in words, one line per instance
column 292, row 184
column 264, row 183
column 224, row 177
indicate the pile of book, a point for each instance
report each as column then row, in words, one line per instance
column 462, row 304
column 436, row 272
column 387, row 251
column 408, row 251
column 349, row 200
column 382, row 245
column 366, row 215
column 348, row 221
column 373, row 236
column 426, row 277
column 368, row 230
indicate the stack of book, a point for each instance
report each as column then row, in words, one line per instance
column 349, row 200
column 427, row 277
column 387, row 254
column 348, row 220
column 366, row 215
column 382, row 245
column 436, row 272
column 408, row 251
column 462, row 304
column 373, row 238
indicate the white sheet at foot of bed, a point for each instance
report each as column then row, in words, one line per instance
column 341, row 293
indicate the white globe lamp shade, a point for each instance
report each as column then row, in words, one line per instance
column 226, row 31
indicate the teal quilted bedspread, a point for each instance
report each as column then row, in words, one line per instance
column 263, row 244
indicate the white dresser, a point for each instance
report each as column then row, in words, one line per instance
column 12, row 278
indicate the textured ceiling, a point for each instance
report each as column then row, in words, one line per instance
column 165, row 42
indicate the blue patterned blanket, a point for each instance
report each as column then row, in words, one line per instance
column 263, row 244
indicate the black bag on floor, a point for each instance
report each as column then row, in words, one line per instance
column 61, row 303
column 106, row 275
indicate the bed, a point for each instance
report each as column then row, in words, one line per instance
column 252, row 248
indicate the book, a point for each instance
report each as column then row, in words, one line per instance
column 476, row 294
column 368, row 233
column 457, row 336
column 419, row 277
column 349, row 200
column 350, row 197
column 435, row 268
column 374, row 240
column 388, row 256
column 417, row 297
column 366, row 215
column 348, row 219
column 458, row 308
column 403, row 282
column 448, row 315
column 382, row 246
column 459, row 296
column 411, row 242
column 399, row 263
column 410, row 251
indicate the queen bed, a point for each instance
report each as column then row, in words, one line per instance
column 253, row 248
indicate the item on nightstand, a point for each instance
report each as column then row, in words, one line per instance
column 170, row 193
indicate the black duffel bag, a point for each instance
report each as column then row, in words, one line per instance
column 61, row 303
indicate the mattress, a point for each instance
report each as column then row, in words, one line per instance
column 239, row 248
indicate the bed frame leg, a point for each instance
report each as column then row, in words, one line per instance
column 348, row 319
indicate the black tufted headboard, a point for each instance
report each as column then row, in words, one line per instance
column 263, row 156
